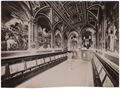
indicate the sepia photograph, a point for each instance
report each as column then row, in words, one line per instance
column 59, row 44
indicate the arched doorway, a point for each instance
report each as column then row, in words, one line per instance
column 58, row 35
column 73, row 40
column 73, row 44
column 88, row 38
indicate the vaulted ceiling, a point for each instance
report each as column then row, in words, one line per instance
column 82, row 13
column 15, row 9
column 75, row 14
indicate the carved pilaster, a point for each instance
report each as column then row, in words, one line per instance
column 52, row 39
column 32, row 33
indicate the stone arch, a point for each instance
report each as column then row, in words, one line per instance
column 73, row 32
column 58, row 31
column 88, row 36
column 58, row 25
column 43, row 33
column 88, row 26
column 44, row 18
column 40, row 10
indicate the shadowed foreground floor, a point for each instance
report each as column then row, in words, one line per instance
column 69, row 73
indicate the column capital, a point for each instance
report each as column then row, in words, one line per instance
column 32, row 20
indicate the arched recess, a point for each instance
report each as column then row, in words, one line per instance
column 44, row 20
column 58, row 39
column 112, row 38
column 42, row 31
column 57, row 34
column 65, row 34
column 46, row 10
column 73, row 40
column 42, row 10
column 15, row 17
column 58, row 25
column 88, row 35
column 88, row 26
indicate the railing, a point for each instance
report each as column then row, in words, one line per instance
column 113, row 59
column 104, row 72
column 18, row 69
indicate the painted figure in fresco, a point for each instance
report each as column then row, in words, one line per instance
column 44, row 37
column 112, row 37
column 58, row 40
column 15, row 37
column 11, row 43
